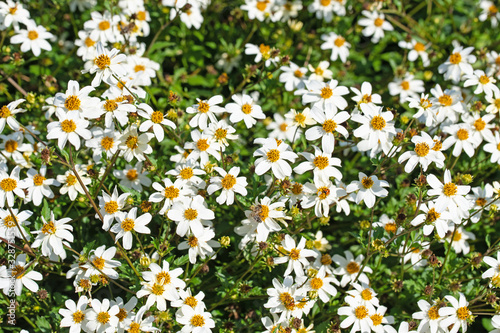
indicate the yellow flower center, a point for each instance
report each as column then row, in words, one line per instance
column 325, row 3
column 191, row 301
column 329, row 126
column 8, row 184
column 497, row 103
column 300, row 118
column 323, row 192
column 220, row 133
column 457, row 236
column 352, row 267
column 298, row 73
column 492, row 10
column 4, row 112
column 246, row 108
column 70, row 180
column 366, row 99
column 319, row 71
column 134, row 328
column 13, row 10
column 480, row 202
column 98, row 262
column 38, row 180
column 445, row 100
column 316, row 283
column 450, row 189
column 78, row 317
column 132, row 174
column 264, row 214
column 103, row 317
column 110, row 105
column 264, row 49
column 139, row 68
column 102, row 61
column 283, row 127
column 273, row 155
column 89, row 42
column 9, row 221
column 202, row 145
column 197, row 320
column 425, row 103
column 479, row 124
column 104, row 25
column 11, row 146
column 321, row 162
column 157, row 289
column 326, row 92
column 171, row 192
column 366, row 294
column 339, row 41
column 405, row 85
column 111, row 207
column 107, row 143
column 131, row 142
column 122, row 314
column 190, row 214
column 463, row 313
column 228, row 181
column 296, row 188
column 17, row 271
column 32, row 34
column 432, row 215
column 287, row 300
column 186, row 173
column 128, row 224
column 483, row 79
column 437, row 145
column 326, row 259
column 367, row 182
column 49, row 228
column 361, row 312
column 294, row 254
column 68, row 125
column 391, row 227
column 419, row 47
column 203, row 107
column 163, row 278
column 192, row 241
column 72, row 103
column 378, row 123
column 422, row 149
column 378, row 22
column 376, row 319
column 462, row 134
column 455, row 58
column 157, row 117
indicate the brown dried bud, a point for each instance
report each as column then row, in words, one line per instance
column 428, row 290
column 274, row 53
column 426, row 253
column 412, row 325
column 263, row 246
column 172, row 97
column 412, row 132
column 146, row 206
column 46, row 155
column 205, row 269
column 285, row 60
column 229, row 160
column 397, row 285
column 211, row 70
column 400, row 136
column 421, row 181
column 270, row 261
column 411, row 198
column 434, row 261
column 491, row 298
column 455, row 286
column 42, row 294
column 296, row 323
column 223, row 79
column 476, row 260
column 401, row 217
column 285, row 185
column 245, row 288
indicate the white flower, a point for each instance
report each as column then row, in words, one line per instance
column 484, row 83
column 494, row 103
column 407, row 87
column 70, row 127
column 292, row 76
column 272, row 156
column 320, row 283
column 300, row 119
column 365, row 95
column 86, row 45
column 190, row 216
column 111, row 206
column 230, row 183
column 133, row 177
column 261, row 51
column 155, row 119
column 7, row 113
column 480, row 127
column 10, row 185
column 32, row 38
column 323, row 9
column 449, row 195
column 188, row 172
column 244, row 109
column 12, row 13
column 416, row 49
column 283, row 129
column 456, row 314
column 117, row 108
column 425, row 113
column 364, row 294
column 296, row 255
column 71, row 185
column 76, row 99
column 142, row 69
column 324, row 94
column 374, row 24
column 205, row 110
column 74, row 314
column 422, row 154
column 138, row 324
column 125, row 314
column 12, row 147
column 329, row 122
column 105, row 65
column 493, row 147
column 489, row 11
column 101, row 261
column 266, row 215
column 102, row 27
column 350, row 268
column 19, row 276
column 358, row 315
column 171, row 193
column 368, row 187
column 446, row 104
column 458, row 63
column 220, row 132
column 322, row 164
column 320, row 72
column 429, row 317
column 283, row 298
column 494, row 264
column 101, row 317
column 8, row 227
column 103, row 141
column 321, row 195
column 338, row 45
column 202, row 146
column 379, row 321
column 461, row 136
column 434, row 219
column 127, row 223
column 195, row 320
column 459, row 240
column 134, row 145
column 53, row 234
column 201, row 245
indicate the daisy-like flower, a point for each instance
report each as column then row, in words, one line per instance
column 143, row 69
column 202, row 147
column 321, row 195
column 300, row 119
column 86, row 45
column 76, row 99
column 272, row 156
column 358, row 315
column 284, row 298
column 324, row 94
column 434, row 219
column 17, row 276
column 244, row 109
column 70, row 127
column 117, row 108
column 74, row 316
column 205, row 111
column 329, row 122
column 8, row 226
column 283, row 129
column 483, row 83
column 425, row 114
column 481, row 197
column 51, row 237
column 320, row 283
column 102, row 27
column 292, row 76
column 138, row 324
column 321, row 72
column 407, row 87
column 71, row 185
column 459, row 240
column 381, row 323
column 171, row 193
column 295, row 255
column 338, row 45
column 422, row 154
column 190, row 216
column 155, row 119
column 186, row 298
column 456, row 314
column 105, row 65
column 133, row 177
column 189, row 172
column 375, row 24
column 201, row 245
column 125, row 314
column 12, row 13
column 195, row 320
column 320, row 243
column 364, row 294
column 130, row 222
column 493, row 103
column 458, row 63
column 446, row 104
column 494, row 270
column 220, row 132
column 368, row 187
column 12, row 147
column 322, row 164
column 365, row 95
column 417, row 49
column 111, row 206
column 11, row 185
column 101, row 260
column 323, row 9
column 493, row 147
column 489, row 11
column 7, row 113
column 461, row 136
column 429, row 317
column 449, row 194
column 134, row 145
column 103, row 141
column 266, row 214
column 230, row 183
column 32, row 38
column 350, row 268
column 262, row 52
column 376, row 130
column 101, row 317
column 495, row 322
column 481, row 128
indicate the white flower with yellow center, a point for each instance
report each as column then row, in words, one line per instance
column 142, row 69
column 429, row 317
column 483, row 199
column 12, row 147
column 101, row 262
column 112, row 108
column 172, row 192
column 244, row 109
column 458, row 63
column 406, row 87
column 480, row 126
column 450, row 195
column 202, row 147
column 366, row 95
column 71, row 185
column 13, row 13
column 70, row 127
column 186, row 299
column 293, row 76
column 86, row 46
column 274, row 156
column 103, row 141
column 417, row 49
column 134, row 145
column 329, row 122
column 102, row 27
column 358, row 315
column 266, row 214
column 381, row 323
column 324, row 94
column 11, row 185
column 189, row 172
column 262, row 51
column 195, row 320
column 364, row 294
column 8, row 226
column 105, row 65
column 220, row 132
column 300, row 119
column 32, row 38
column 321, row 163
column 201, row 245
column 349, row 268
column 493, row 103
column 257, row 9
column 283, row 129
column 76, row 99
column 52, row 236
column 7, row 113
column 17, row 276
column 389, row 225
column 205, row 111
column 137, row 324
column 425, row 113
column 368, row 188
column 493, row 147
column 446, row 104
column 155, row 120
column 125, row 314
column 295, row 254
column 130, row 222
column 483, row 83
column 375, row 24
column 457, row 314
column 190, row 215
column 133, row 177
column 462, row 137
column 74, row 315
column 433, row 219
column 489, row 11
column 459, row 239
column 422, row 154
column 111, row 206
column 338, row 45
column 101, row 317
column 284, row 298
column 230, row 184
column 321, row 195
column 323, row 9
column 319, row 73
column 494, row 269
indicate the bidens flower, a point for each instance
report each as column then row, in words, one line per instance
column 230, row 183
column 272, row 156
column 32, row 38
